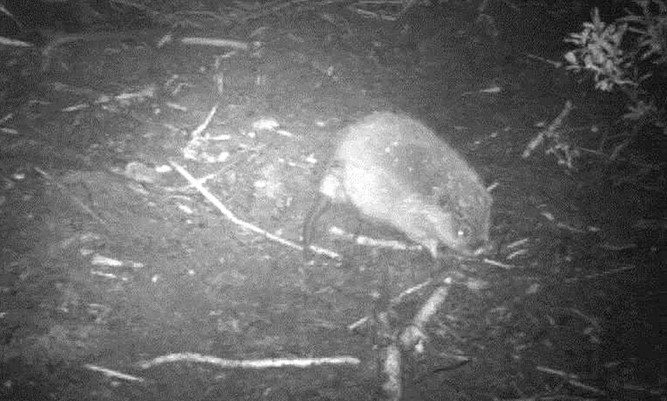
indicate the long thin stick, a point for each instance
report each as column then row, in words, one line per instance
column 250, row 363
column 232, row 217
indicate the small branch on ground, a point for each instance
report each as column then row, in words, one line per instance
column 250, row 363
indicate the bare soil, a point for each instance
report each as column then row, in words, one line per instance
column 569, row 307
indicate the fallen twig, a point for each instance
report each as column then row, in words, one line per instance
column 498, row 264
column 4, row 41
column 392, row 369
column 407, row 292
column 414, row 333
column 601, row 274
column 249, row 364
column 560, row 148
column 58, row 39
column 373, row 242
column 157, row 37
column 113, row 373
column 232, row 217
column 201, row 41
column 412, row 337
column 572, row 379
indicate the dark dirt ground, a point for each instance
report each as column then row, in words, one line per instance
column 570, row 307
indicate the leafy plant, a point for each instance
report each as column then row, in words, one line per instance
column 599, row 51
column 623, row 56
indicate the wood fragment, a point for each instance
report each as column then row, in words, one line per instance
column 249, row 363
column 113, row 373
